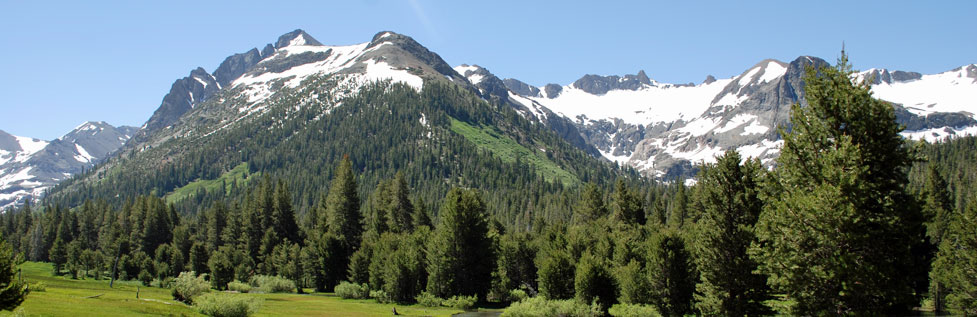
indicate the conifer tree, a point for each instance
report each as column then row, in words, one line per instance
column 954, row 268
column 627, row 205
column 728, row 193
column 284, row 217
column 401, row 210
column 593, row 282
column 591, row 205
column 343, row 226
column 461, row 255
column 838, row 231
column 671, row 274
column 12, row 291
column 937, row 208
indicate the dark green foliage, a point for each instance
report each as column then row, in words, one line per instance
column 633, row 284
column 671, row 274
column 627, row 205
column 398, row 266
column 954, row 267
column 12, row 291
column 593, row 283
column 937, row 208
column 839, row 229
column 728, row 193
column 342, row 220
column 516, row 266
column 591, row 205
column 199, row 258
column 554, row 271
column 401, row 210
column 221, row 268
column 461, row 256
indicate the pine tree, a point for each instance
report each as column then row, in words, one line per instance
column 937, row 208
column 284, row 217
column 954, row 267
column 216, row 223
column 461, row 255
column 627, row 205
column 591, row 205
column 838, row 231
column 554, row 272
column 401, row 210
column 594, row 283
column 343, row 225
column 671, row 274
column 12, row 291
column 728, row 194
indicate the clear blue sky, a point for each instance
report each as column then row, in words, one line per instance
column 62, row 63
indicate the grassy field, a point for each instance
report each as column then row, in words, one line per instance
column 67, row 297
column 508, row 150
column 239, row 174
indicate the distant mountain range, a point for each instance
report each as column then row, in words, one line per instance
column 659, row 129
column 29, row 166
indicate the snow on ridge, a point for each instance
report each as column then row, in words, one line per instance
column 30, row 145
column 83, row 155
column 380, row 70
column 650, row 104
column 772, row 71
column 462, row 69
column 341, row 57
column 938, row 134
column 949, row 91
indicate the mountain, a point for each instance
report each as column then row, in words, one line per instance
column 30, row 166
column 664, row 129
column 294, row 109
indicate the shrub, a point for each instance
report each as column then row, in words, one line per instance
column 145, row 278
column 188, row 286
column 460, row 302
column 227, row 305
column 380, row 296
column 428, row 300
column 632, row 310
column 272, row 284
column 37, row 287
column 349, row 290
column 237, row 286
column 517, row 295
column 540, row 307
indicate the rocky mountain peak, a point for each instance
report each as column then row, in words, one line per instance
column 599, row 85
column 296, row 38
column 709, row 79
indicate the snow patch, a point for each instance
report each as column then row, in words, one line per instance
column 772, row 71
column 83, row 155
column 650, row 104
column 949, row 91
column 376, row 71
column 30, row 145
column 939, row 134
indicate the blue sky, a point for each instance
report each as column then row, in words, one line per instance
column 64, row 63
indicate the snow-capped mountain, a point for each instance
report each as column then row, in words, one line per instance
column 664, row 129
column 30, row 166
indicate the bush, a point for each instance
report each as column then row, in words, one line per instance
column 428, row 300
column 227, row 305
column 540, row 307
column 631, row 310
column 237, row 286
column 349, row 290
column 145, row 278
column 517, row 295
column 380, row 296
column 188, row 286
column 272, row 284
column 460, row 302
column 37, row 287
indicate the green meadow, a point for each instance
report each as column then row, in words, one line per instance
column 64, row 296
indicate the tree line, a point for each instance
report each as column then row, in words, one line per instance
column 851, row 220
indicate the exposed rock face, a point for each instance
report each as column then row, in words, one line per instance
column 879, row 76
column 599, row 85
column 552, row 90
column 521, row 88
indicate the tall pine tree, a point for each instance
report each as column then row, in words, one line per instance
column 461, row 255
column 728, row 194
column 839, row 229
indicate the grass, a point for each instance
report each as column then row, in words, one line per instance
column 67, row 297
column 239, row 174
column 508, row 150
